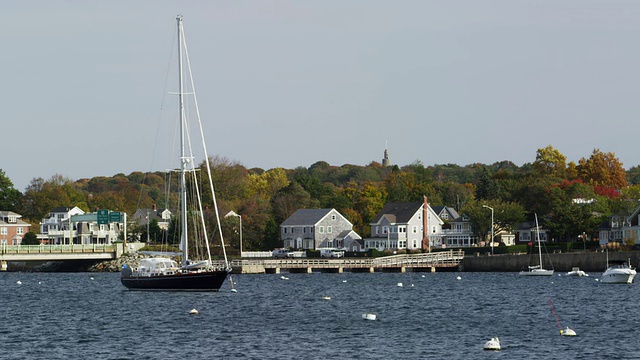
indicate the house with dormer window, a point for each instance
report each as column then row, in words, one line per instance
column 12, row 228
column 405, row 225
column 319, row 228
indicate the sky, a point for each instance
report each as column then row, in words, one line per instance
column 289, row 83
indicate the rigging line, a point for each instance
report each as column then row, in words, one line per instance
column 159, row 120
column 553, row 310
column 206, row 156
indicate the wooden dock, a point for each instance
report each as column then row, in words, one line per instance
column 450, row 260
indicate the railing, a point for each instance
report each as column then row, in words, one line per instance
column 57, row 249
column 437, row 259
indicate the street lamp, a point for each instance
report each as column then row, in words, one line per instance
column 233, row 213
column 490, row 208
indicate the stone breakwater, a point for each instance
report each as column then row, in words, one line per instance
column 131, row 259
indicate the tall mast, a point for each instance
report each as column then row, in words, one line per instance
column 538, row 238
column 183, row 159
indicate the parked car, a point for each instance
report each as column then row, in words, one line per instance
column 331, row 253
column 282, row 254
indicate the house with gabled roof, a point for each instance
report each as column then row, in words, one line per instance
column 12, row 228
column 526, row 233
column 405, row 225
column 146, row 215
column 318, row 228
column 621, row 229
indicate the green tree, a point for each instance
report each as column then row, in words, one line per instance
column 30, row 238
column 9, row 196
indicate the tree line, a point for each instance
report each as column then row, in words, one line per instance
column 570, row 199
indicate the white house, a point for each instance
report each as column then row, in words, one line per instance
column 405, row 225
column 66, row 225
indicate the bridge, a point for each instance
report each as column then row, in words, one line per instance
column 401, row 263
column 98, row 252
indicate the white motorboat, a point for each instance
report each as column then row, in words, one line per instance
column 575, row 271
column 537, row 270
column 492, row 344
column 618, row 272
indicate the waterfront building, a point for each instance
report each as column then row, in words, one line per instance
column 12, row 228
column 71, row 225
column 146, row 215
column 405, row 225
column 319, row 228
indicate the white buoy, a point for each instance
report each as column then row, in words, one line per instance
column 193, row 312
column 459, row 278
column 91, row 278
column 568, row 332
column 400, row 285
column 493, row 344
column 344, row 280
column 326, row 297
column 19, row 282
column 234, row 290
column 369, row 316
column 423, row 276
column 284, row 277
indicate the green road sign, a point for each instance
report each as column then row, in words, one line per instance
column 115, row 216
column 103, row 217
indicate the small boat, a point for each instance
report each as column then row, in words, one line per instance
column 575, row 271
column 369, row 316
column 537, row 270
column 196, row 272
column 492, row 344
column 618, row 272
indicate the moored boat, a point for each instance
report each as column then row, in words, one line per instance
column 196, row 272
column 618, row 272
column 575, row 271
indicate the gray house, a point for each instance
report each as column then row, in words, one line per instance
column 145, row 216
column 319, row 228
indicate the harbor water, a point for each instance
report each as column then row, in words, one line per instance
column 319, row 316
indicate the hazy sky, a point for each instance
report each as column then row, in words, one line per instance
column 289, row 83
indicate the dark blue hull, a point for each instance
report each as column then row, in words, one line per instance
column 191, row 281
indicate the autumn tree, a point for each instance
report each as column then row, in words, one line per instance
column 550, row 162
column 602, row 169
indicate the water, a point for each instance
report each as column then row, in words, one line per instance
column 72, row 316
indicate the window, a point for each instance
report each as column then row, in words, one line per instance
column 284, row 230
column 321, row 229
column 19, row 231
column 3, row 231
column 333, row 217
column 414, row 229
column 329, row 229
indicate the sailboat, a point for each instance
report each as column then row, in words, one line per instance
column 196, row 272
column 537, row 270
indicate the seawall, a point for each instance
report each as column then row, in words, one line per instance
column 587, row 261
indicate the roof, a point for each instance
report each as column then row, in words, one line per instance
column 403, row 211
column 306, row 217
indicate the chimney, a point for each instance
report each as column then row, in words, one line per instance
column 425, row 225
column 154, row 207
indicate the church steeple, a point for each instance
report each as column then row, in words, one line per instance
column 385, row 159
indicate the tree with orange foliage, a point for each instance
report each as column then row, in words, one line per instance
column 602, row 169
